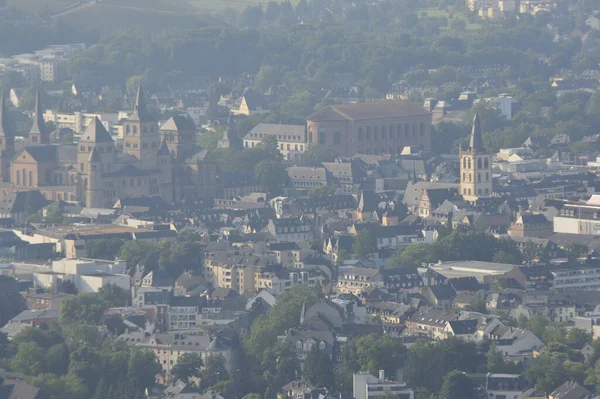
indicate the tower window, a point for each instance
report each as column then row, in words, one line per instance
column 469, row 163
column 479, row 163
column 486, row 162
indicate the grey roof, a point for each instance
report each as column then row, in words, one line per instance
column 96, row 133
column 476, row 143
column 21, row 390
column 443, row 292
column 368, row 201
column 368, row 110
column 463, row 326
column 131, row 171
column 571, row 390
column 67, row 153
column 27, row 315
column 178, row 123
column 42, row 153
column 303, row 173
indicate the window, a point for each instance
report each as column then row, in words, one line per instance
column 134, row 130
column 309, row 137
column 383, row 132
column 19, row 177
column 479, row 163
column 421, row 128
column 127, row 130
column 360, row 134
column 406, row 129
column 375, row 133
column 486, row 163
column 337, row 138
column 414, row 129
column 81, row 167
column 465, row 163
column 321, row 137
column 24, row 177
column 478, row 177
column 469, row 163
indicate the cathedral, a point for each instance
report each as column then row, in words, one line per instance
column 155, row 161
column 475, row 167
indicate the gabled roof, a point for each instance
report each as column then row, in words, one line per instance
column 368, row 201
column 178, row 123
column 96, row 133
column 42, row 153
column 460, row 327
column 368, row 110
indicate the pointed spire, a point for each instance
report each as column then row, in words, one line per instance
column 4, row 128
column 96, row 132
column 140, row 113
column 476, row 143
column 95, row 156
column 39, row 126
column 164, row 149
column 414, row 176
column 302, row 312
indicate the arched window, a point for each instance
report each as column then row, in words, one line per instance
column 465, row 163
column 321, row 137
column 30, row 178
column 469, row 163
column 487, row 176
column 24, row 177
column 134, row 130
column 337, row 138
column 479, row 165
column 127, row 130
column 18, row 177
column 486, row 162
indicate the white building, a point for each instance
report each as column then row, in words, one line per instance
column 366, row 386
column 576, row 218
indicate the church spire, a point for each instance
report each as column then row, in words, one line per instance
column 4, row 128
column 39, row 133
column 302, row 313
column 140, row 113
column 476, row 143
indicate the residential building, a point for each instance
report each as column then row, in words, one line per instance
column 531, row 225
column 52, row 71
column 367, row 386
column 291, row 229
column 356, row 280
column 169, row 347
column 576, row 278
column 577, row 218
column 183, row 313
column 291, row 139
column 377, row 127
column 233, row 270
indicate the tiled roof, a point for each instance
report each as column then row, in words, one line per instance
column 368, row 110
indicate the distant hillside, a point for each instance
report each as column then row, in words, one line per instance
column 36, row 6
column 220, row 5
column 111, row 15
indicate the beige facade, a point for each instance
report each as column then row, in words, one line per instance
column 378, row 127
column 475, row 167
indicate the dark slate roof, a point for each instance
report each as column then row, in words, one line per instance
column 95, row 156
column 283, row 246
column 185, row 301
column 179, row 123
column 465, row 284
column 131, row 171
column 534, row 219
column 461, row 327
column 21, row 390
column 43, row 153
column 4, row 126
column 476, row 142
column 443, row 292
column 438, row 195
column 368, row 201
column 24, row 201
column 368, row 110
column 164, row 150
column 96, row 133
column 38, row 126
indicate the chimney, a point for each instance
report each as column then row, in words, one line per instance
column 381, row 376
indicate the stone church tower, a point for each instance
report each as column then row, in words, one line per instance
column 475, row 167
column 7, row 142
column 39, row 134
column 94, row 195
column 142, row 138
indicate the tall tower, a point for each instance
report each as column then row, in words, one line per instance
column 165, row 180
column 94, row 195
column 142, row 138
column 39, row 134
column 475, row 167
column 7, row 142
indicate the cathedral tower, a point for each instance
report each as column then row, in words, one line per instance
column 94, row 197
column 475, row 167
column 142, row 138
column 7, row 142
column 39, row 133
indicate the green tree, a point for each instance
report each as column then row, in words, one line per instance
column 252, row 396
column 114, row 296
column 497, row 364
column 364, row 244
column 57, row 359
column 29, row 359
column 318, row 368
column 214, row 371
column 273, row 176
column 188, row 366
column 414, row 255
column 320, row 192
column 139, row 252
column 143, row 368
column 81, row 308
column 457, row 385
column 106, row 248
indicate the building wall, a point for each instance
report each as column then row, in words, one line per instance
column 371, row 136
